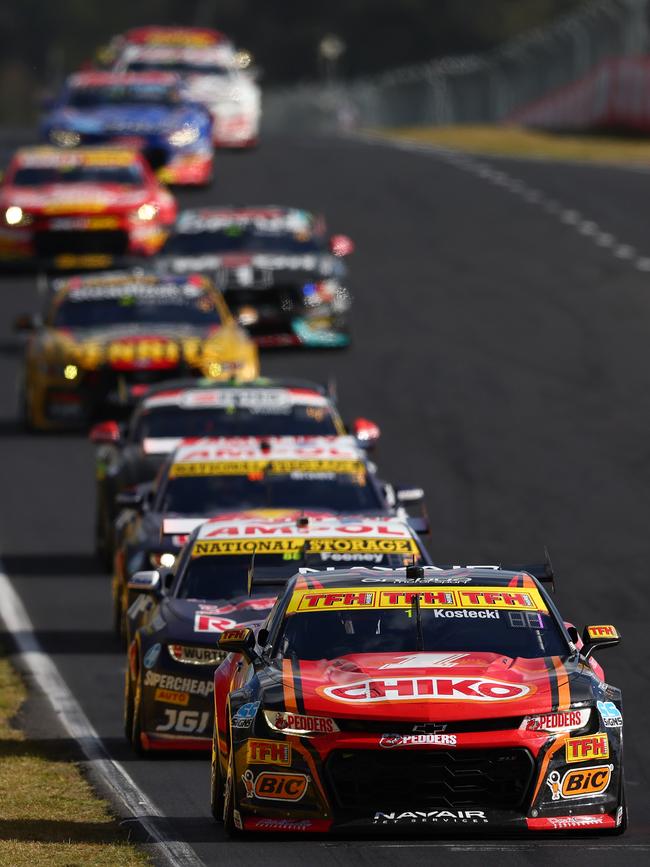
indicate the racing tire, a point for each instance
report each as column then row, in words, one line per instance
column 128, row 705
column 217, row 783
column 229, row 801
column 136, row 722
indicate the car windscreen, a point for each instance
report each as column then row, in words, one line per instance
column 36, row 176
column 332, row 634
column 236, row 421
column 120, row 94
column 179, row 67
column 85, row 310
column 226, row 576
column 336, row 492
column 238, row 240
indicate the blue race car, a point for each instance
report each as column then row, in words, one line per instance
column 146, row 110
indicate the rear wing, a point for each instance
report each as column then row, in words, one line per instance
column 542, row 571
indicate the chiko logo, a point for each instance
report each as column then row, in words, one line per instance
column 579, row 782
column 390, row 741
column 435, row 816
column 244, row 716
column 151, row 656
column 275, row 787
column 426, row 688
column 611, row 715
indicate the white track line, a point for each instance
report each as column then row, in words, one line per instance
column 569, row 217
column 77, row 725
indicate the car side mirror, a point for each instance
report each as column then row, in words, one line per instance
column 27, row 322
column 409, row 496
column 341, row 246
column 595, row 637
column 239, row 641
column 366, row 432
column 131, row 499
column 148, row 582
column 105, row 432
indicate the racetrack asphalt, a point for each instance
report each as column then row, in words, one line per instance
column 507, row 361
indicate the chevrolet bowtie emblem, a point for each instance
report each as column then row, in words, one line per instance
column 430, row 728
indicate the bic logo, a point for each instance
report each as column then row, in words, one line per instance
column 268, row 753
column 275, row 787
column 580, row 782
column 590, row 747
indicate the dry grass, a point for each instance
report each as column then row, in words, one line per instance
column 49, row 815
column 512, row 141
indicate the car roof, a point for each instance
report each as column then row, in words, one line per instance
column 213, row 394
column 181, row 385
column 287, row 219
column 172, row 35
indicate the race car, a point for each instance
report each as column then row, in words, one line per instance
column 416, row 700
column 212, row 78
column 146, row 110
column 106, row 338
column 206, row 477
column 128, row 455
column 172, row 652
column 283, row 277
column 82, row 208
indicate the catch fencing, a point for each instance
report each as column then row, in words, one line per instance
column 478, row 88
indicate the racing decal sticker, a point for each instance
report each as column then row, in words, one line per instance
column 171, row 696
column 586, row 748
column 262, row 752
column 260, row 467
column 244, row 715
column 435, row 817
column 397, row 597
column 427, row 660
column 602, row 632
column 186, row 722
column 610, row 714
column 275, row 787
column 297, row 724
column 151, row 656
column 287, row 825
column 389, row 742
column 579, row 782
column 179, row 684
column 375, row 690
column 566, row 823
column 217, row 547
column 209, row 623
column 557, row 722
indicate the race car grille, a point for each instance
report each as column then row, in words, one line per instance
column 410, row 728
column 109, row 241
column 403, row 779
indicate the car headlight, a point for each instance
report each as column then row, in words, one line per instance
column 166, row 560
column 299, row 724
column 65, row 138
column 147, row 211
column 184, row 136
column 560, row 721
column 15, row 216
column 196, row 655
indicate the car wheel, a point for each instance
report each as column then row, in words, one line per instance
column 217, row 783
column 136, row 722
column 230, row 801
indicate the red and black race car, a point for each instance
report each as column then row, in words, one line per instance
column 423, row 699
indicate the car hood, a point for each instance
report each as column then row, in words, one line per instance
column 241, row 267
column 129, row 119
column 73, row 198
column 434, row 687
column 195, row 621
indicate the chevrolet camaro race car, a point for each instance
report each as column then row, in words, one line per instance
column 82, row 208
column 106, row 338
column 419, row 699
column 282, row 275
column 148, row 111
column 172, row 649
column 206, row 477
column 132, row 453
column 213, row 79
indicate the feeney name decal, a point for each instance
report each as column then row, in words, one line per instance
column 426, row 688
column 398, row 597
column 579, row 782
column 589, row 747
column 444, row 816
column 275, row 787
column 268, row 753
column 602, row 632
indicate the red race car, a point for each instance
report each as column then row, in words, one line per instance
column 81, row 208
column 416, row 699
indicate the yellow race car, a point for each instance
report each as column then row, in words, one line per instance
column 106, row 338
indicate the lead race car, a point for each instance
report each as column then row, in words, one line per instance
column 147, row 110
column 106, row 338
column 82, row 208
column 209, row 476
column 425, row 699
column 130, row 454
column 283, row 276
column 172, row 632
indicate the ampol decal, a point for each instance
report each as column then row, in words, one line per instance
column 379, row 689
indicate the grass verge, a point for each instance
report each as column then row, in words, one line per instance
column 512, row 141
column 48, row 812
